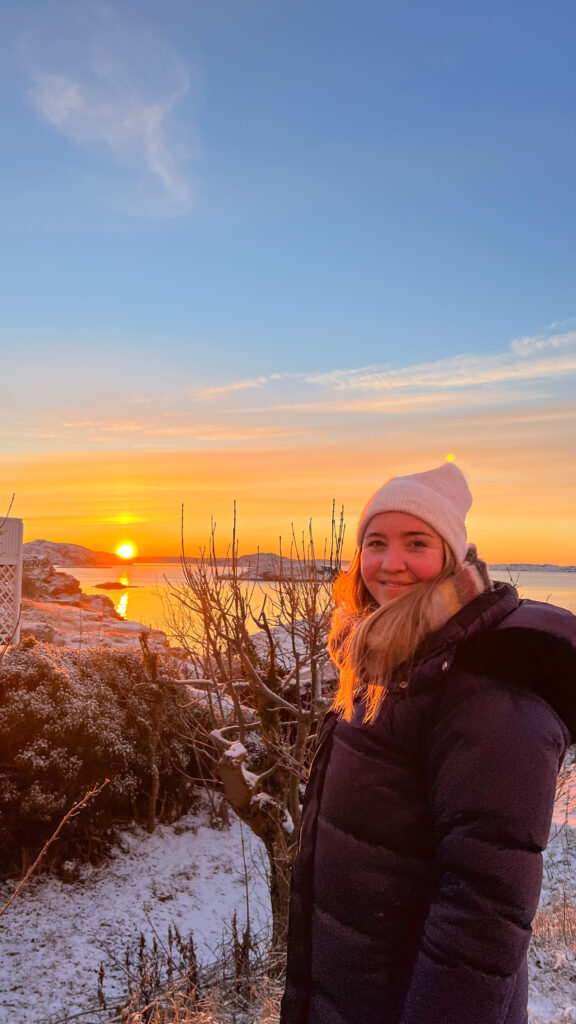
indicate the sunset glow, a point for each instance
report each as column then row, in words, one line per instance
column 126, row 550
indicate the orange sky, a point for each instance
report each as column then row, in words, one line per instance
column 523, row 508
column 100, row 470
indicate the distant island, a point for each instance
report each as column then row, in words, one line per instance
column 529, row 567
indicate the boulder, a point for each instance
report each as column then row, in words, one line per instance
column 41, row 631
column 41, row 582
column 99, row 603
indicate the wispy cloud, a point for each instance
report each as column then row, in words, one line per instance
column 109, row 430
column 532, row 358
column 223, row 390
column 293, row 408
column 539, row 342
column 117, row 88
column 516, row 364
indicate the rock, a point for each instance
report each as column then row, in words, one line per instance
column 70, row 871
column 69, row 554
column 268, row 566
column 41, row 631
column 41, row 582
column 75, row 626
column 99, row 603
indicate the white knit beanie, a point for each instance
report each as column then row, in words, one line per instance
column 440, row 497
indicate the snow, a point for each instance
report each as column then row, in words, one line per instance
column 56, row 934
column 552, row 967
column 82, row 627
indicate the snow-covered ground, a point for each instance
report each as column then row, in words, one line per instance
column 56, row 934
column 552, row 966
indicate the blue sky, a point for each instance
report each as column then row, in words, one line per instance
column 254, row 224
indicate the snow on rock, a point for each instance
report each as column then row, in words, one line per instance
column 41, row 582
column 56, row 934
column 54, row 610
column 69, row 554
column 83, row 627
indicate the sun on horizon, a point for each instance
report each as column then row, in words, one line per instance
column 126, row 550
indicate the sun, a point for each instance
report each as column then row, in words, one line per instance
column 126, row 550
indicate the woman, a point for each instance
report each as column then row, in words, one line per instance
column 431, row 793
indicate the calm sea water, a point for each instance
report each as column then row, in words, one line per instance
column 146, row 588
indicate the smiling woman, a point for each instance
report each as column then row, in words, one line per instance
column 431, row 792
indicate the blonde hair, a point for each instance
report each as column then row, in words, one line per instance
column 368, row 642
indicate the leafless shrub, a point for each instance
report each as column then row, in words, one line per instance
column 258, row 651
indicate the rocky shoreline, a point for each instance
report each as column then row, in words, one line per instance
column 55, row 611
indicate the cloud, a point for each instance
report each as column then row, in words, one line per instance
column 538, row 342
column 223, row 390
column 294, row 408
column 117, row 88
column 463, row 370
column 570, row 322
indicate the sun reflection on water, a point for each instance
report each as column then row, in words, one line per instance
column 122, row 605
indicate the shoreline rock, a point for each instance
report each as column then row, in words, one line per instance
column 54, row 610
column 74, row 625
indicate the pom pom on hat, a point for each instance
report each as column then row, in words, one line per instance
column 440, row 497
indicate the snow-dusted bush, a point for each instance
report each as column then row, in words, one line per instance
column 70, row 719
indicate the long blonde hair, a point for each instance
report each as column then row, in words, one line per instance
column 368, row 642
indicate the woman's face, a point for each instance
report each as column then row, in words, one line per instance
column 398, row 551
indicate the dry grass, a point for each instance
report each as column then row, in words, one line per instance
column 243, row 986
column 221, row 1005
column 555, row 926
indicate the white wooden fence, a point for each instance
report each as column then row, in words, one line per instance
column 10, row 579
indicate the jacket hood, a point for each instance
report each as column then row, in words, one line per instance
column 526, row 644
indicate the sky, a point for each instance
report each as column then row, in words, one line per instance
column 274, row 252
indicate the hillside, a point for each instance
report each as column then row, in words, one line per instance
column 69, row 554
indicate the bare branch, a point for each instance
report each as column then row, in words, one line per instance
column 11, row 502
column 70, row 814
column 257, row 679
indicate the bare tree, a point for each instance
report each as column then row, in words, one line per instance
column 259, row 652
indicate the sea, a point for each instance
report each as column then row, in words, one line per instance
column 140, row 592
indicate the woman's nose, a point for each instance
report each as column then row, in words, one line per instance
column 393, row 558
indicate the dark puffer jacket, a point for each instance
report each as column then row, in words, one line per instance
column 419, row 868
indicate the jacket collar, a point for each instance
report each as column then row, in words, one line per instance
column 437, row 652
